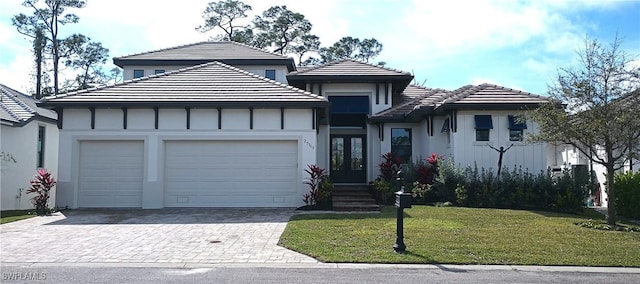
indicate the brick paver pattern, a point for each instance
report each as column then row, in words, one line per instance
column 150, row 236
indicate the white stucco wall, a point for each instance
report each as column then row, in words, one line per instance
column 281, row 71
column 204, row 126
column 467, row 151
column 21, row 143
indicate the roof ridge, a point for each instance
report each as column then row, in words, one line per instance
column 484, row 85
column 354, row 61
column 145, row 78
column 201, row 42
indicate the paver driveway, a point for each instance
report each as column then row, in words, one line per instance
column 150, row 236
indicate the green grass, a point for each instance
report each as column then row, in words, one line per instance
column 15, row 215
column 461, row 236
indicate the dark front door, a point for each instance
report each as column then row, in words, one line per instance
column 348, row 163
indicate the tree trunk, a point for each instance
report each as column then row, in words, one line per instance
column 611, row 195
column 37, row 48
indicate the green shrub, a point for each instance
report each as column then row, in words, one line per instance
column 628, row 194
column 383, row 191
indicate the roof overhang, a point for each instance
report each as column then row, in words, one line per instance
column 184, row 104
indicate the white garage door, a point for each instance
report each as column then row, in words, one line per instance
column 110, row 174
column 231, row 173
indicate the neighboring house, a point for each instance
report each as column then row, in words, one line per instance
column 220, row 134
column 568, row 157
column 29, row 141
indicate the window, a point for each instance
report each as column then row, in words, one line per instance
column 484, row 124
column 270, row 74
column 40, row 146
column 516, row 127
column 138, row 73
column 157, row 71
column 401, row 143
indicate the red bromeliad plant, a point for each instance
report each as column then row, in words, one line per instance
column 41, row 184
column 389, row 167
column 319, row 185
column 426, row 173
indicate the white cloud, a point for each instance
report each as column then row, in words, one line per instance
column 16, row 74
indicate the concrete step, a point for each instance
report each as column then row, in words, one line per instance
column 353, row 198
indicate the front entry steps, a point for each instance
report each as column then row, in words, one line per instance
column 353, row 198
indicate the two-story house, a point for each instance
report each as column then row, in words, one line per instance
column 221, row 124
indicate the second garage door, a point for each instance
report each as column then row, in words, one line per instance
column 231, row 173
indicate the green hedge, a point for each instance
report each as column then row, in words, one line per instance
column 628, row 194
column 515, row 189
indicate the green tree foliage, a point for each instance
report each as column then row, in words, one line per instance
column 281, row 28
column 351, row 48
column 225, row 15
column 85, row 56
column 601, row 114
column 47, row 18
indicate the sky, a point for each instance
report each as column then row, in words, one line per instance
column 445, row 44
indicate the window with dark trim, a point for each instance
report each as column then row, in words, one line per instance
column 40, row 147
column 138, row 73
column 401, row 144
column 484, row 124
column 270, row 74
column 158, row 71
column 516, row 127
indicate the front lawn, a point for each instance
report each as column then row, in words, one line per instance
column 15, row 215
column 461, row 236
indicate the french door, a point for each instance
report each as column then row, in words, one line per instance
column 348, row 158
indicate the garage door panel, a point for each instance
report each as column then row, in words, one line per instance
column 230, row 173
column 110, row 174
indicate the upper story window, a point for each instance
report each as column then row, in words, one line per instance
column 158, row 71
column 270, row 74
column 484, row 124
column 401, row 143
column 516, row 127
column 138, row 73
column 40, row 147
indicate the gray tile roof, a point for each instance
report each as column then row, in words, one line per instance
column 411, row 98
column 349, row 67
column 485, row 94
column 208, row 50
column 416, row 101
column 212, row 84
column 18, row 109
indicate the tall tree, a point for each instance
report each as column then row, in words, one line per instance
column 308, row 43
column 86, row 57
column 596, row 120
column 224, row 15
column 48, row 18
column 281, row 28
column 351, row 48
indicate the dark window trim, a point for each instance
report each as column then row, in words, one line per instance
column 42, row 132
column 158, row 71
column 125, row 112
column 250, row 118
column 188, row 110
column 60, row 112
column 266, row 74
column 282, row 118
column 377, row 93
column 157, row 116
column 219, row 118
column 409, row 146
column 386, row 93
column 483, row 121
column 514, row 124
column 93, row 117
column 137, row 71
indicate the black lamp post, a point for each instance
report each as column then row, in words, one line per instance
column 403, row 200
